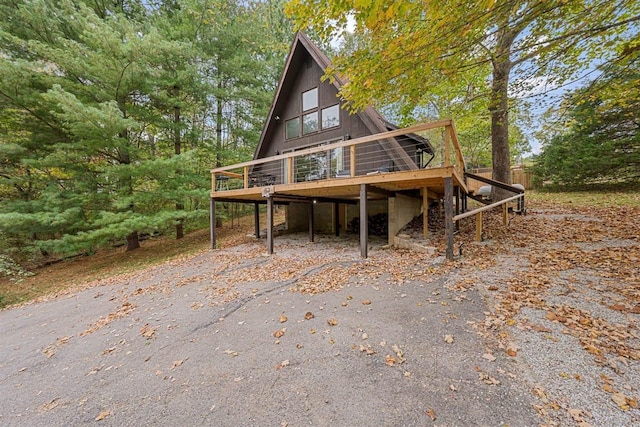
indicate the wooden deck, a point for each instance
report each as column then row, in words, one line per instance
column 348, row 189
column 279, row 181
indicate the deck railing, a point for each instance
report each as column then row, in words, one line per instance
column 385, row 152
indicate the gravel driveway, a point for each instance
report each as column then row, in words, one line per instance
column 313, row 335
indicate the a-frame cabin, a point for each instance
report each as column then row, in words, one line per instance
column 307, row 112
column 330, row 167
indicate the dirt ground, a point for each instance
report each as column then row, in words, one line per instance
column 537, row 325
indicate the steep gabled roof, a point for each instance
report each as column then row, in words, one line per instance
column 301, row 46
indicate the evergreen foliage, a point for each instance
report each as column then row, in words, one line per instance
column 113, row 113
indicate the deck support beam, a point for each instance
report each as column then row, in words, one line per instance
column 364, row 221
column 311, row 222
column 448, row 216
column 336, row 218
column 256, row 219
column 212, row 222
column 270, row 225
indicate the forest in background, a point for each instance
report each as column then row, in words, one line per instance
column 113, row 113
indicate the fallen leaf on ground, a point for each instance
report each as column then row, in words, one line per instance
column 367, row 349
column 621, row 400
column 177, row 363
column 283, row 319
column 399, row 353
column 390, row 360
column 332, row 322
column 279, row 333
column 432, row 414
column 366, row 302
column 49, row 405
column 448, row 339
column 102, row 415
column 309, row 315
column 148, row 331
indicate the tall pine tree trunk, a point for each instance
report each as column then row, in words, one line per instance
column 219, row 123
column 124, row 158
column 177, row 144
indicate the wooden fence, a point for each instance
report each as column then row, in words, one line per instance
column 519, row 175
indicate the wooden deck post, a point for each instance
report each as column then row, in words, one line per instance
column 311, row 220
column 256, row 219
column 447, row 147
column 364, row 221
column 352, row 160
column 505, row 216
column 212, row 222
column 290, row 170
column 245, row 177
column 336, row 218
column 448, row 216
column 479, row 227
column 270, row 225
column 425, row 212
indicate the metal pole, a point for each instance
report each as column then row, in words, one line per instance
column 212, row 222
column 311, row 221
column 364, row 221
column 270, row 225
column 256, row 219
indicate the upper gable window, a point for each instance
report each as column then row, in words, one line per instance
column 292, row 128
column 310, row 99
column 310, row 122
column 331, row 117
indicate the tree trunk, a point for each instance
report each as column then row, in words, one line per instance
column 177, row 144
column 499, row 109
column 132, row 241
column 219, row 123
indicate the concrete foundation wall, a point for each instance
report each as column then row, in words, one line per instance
column 298, row 217
column 402, row 209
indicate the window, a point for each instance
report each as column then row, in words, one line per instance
column 310, row 99
column 310, row 123
column 331, row 117
column 292, row 128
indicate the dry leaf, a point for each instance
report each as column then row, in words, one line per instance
column 432, row 414
column 177, row 363
column 332, row 322
column 102, row 415
column 279, row 333
column 620, row 400
column 283, row 319
column 448, row 339
column 367, row 349
column 366, row 302
column 147, row 331
column 390, row 360
column 309, row 315
column 49, row 405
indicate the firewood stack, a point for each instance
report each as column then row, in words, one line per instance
column 378, row 224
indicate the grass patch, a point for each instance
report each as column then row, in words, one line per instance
column 599, row 198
